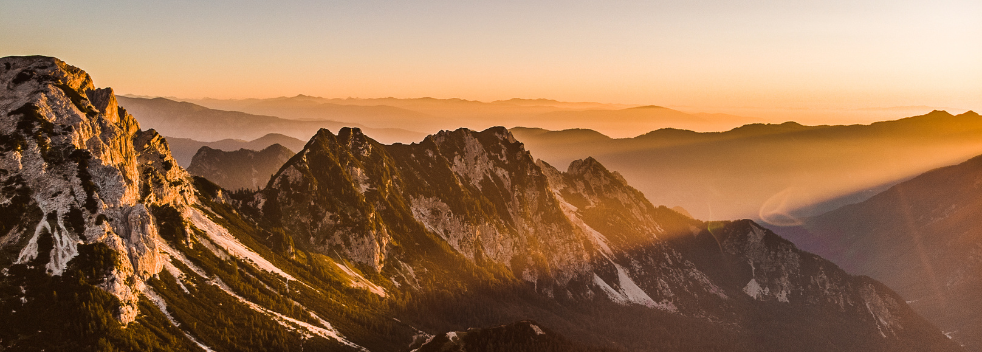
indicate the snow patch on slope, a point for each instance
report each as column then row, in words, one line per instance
column 596, row 237
column 177, row 274
column 307, row 329
column 630, row 292
column 754, row 290
column 880, row 310
column 359, row 281
column 220, row 236
column 162, row 306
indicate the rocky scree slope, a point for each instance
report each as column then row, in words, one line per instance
column 76, row 167
column 239, row 169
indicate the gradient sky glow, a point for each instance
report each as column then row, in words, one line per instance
column 704, row 54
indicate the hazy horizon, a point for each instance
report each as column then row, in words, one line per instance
column 742, row 114
column 807, row 61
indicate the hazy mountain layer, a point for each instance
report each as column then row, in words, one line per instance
column 922, row 238
column 431, row 115
column 770, row 171
column 183, row 149
column 632, row 122
column 243, row 168
column 354, row 245
column 186, row 120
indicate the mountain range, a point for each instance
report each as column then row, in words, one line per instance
column 430, row 115
column 355, row 245
column 187, row 120
column 770, row 172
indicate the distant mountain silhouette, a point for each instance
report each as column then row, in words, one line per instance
column 239, row 169
column 315, row 109
column 769, row 171
column 187, row 120
column 431, row 115
column 635, row 121
column 184, row 149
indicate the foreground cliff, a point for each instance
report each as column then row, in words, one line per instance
column 355, row 245
column 100, row 226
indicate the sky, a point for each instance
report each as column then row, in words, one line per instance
column 712, row 56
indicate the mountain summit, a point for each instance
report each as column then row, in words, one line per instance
column 80, row 175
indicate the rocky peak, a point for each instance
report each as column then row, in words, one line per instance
column 332, row 190
column 39, row 70
column 478, row 191
column 83, row 173
column 581, row 166
column 595, row 173
column 356, row 141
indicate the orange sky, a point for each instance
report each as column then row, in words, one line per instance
column 714, row 56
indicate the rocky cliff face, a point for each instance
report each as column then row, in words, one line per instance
column 349, row 194
column 78, row 168
column 241, row 169
column 97, row 218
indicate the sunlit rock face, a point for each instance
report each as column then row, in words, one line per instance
column 480, row 192
column 75, row 166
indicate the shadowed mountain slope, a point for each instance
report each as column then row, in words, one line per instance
column 184, row 149
column 920, row 237
column 523, row 336
column 240, row 169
